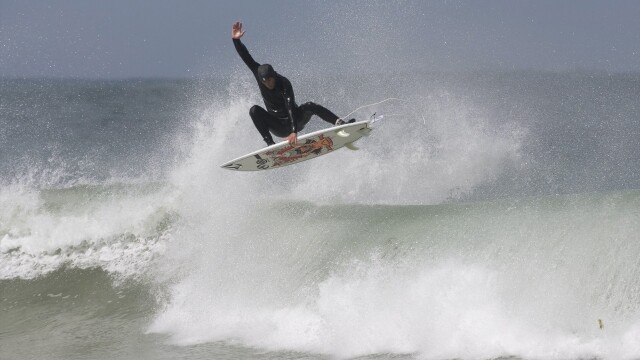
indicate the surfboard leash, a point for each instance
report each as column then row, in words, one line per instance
column 374, row 118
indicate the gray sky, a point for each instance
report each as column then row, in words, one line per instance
column 127, row 38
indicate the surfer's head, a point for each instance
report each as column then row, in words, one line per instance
column 267, row 75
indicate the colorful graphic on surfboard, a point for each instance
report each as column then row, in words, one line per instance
column 309, row 146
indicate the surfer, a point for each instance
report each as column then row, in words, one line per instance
column 283, row 117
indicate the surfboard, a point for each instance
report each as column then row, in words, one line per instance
column 309, row 146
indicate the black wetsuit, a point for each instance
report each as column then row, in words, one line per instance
column 282, row 116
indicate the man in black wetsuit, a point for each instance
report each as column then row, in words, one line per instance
column 283, row 117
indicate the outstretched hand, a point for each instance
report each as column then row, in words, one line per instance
column 293, row 138
column 236, row 30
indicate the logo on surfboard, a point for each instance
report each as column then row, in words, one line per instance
column 293, row 153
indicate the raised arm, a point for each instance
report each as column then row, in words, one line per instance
column 236, row 34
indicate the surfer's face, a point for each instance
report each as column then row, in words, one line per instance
column 270, row 83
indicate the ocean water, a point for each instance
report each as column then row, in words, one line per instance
column 488, row 216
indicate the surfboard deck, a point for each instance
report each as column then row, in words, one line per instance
column 309, row 146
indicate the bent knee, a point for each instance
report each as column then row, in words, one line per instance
column 254, row 110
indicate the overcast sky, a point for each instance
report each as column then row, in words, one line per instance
column 128, row 38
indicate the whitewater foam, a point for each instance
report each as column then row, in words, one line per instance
column 432, row 311
column 97, row 226
column 358, row 280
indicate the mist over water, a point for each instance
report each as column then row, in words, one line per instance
column 487, row 215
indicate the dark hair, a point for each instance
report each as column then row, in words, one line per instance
column 266, row 71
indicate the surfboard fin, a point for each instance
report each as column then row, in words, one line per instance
column 366, row 131
column 342, row 133
column 351, row 146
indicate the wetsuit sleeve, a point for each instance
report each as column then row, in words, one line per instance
column 246, row 57
column 289, row 100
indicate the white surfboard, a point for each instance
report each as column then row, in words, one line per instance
column 309, row 146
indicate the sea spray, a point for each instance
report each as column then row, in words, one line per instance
column 276, row 260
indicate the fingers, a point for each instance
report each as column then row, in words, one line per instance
column 236, row 30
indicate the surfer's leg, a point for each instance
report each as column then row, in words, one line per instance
column 260, row 120
column 267, row 124
column 309, row 109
